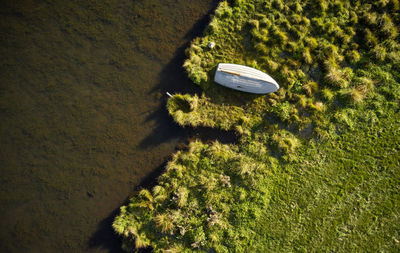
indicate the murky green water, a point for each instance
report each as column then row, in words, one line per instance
column 82, row 113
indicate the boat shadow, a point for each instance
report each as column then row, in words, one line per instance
column 173, row 79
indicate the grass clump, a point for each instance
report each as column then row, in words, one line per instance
column 355, row 95
column 195, row 111
column 286, row 143
column 336, row 77
column 164, row 223
column 204, row 218
column 316, row 164
column 327, row 94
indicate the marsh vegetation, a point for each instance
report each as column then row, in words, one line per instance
column 317, row 163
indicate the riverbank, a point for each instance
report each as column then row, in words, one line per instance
column 317, row 163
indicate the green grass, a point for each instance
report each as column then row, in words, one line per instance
column 317, row 165
column 342, row 195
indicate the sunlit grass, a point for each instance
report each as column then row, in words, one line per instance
column 317, row 164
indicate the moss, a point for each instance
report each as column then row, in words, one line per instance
column 286, row 112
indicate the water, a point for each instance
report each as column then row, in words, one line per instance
column 82, row 113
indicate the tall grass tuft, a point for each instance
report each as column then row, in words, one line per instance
column 355, row 95
column 146, row 199
column 164, row 223
column 387, row 29
column 310, row 87
column 370, row 19
column 307, row 56
column 301, row 100
column 369, row 38
column 312, row 42
column 327, row 94
column 335, row 77
column 365, row 83
column 352, row 56
column 160, row 194
column 394, row 5
column 141, row 241
column 286, row 143
column 272, row 65
column 379, row 53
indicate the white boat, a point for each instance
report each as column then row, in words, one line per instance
column 245, row 79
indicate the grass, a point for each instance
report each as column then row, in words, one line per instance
column 341, row 195
column 317, row 164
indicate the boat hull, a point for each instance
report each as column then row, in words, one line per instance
column 245, row 79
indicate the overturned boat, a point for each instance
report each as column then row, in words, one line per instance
column 245, row 79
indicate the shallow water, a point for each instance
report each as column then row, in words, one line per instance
column 82, row 113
